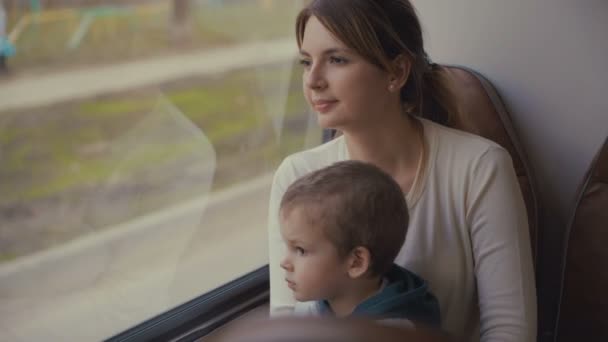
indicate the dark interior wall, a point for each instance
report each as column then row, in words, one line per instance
column 547, row 59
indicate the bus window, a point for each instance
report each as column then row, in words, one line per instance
column 137, row 144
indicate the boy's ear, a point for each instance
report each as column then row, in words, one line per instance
column 359, row 262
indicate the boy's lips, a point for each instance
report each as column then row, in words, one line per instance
column 290, row 284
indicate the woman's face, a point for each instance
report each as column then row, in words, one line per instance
column 343, row 88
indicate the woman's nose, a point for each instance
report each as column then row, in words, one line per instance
column 315, row 78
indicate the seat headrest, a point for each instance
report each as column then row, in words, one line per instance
column 482, row 112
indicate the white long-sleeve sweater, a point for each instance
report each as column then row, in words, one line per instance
column 468, row 234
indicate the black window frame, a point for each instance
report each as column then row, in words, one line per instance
column 202, row 315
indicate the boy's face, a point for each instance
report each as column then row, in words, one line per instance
column 314, row 270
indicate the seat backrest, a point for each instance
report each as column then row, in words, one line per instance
column 482, row 112
column 583, row 307
column 324, row 329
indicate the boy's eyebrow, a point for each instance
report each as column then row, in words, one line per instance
column 295, row 241
column 292, row 241
column 326, row 52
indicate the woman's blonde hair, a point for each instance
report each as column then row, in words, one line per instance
column 380, row 31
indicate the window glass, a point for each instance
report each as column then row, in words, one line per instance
column 137, row 145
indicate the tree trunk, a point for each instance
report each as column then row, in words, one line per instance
column 181, row 25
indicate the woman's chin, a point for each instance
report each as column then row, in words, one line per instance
column 327, row 122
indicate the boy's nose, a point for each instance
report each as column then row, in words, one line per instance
column 286, row 265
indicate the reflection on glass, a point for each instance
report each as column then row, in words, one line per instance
column 139, row 157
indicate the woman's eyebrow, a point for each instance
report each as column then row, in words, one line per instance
column 325, row 52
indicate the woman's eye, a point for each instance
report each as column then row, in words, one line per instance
column 337, row 60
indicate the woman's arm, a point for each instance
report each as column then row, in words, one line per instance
column 281, row 297
column 501, row 248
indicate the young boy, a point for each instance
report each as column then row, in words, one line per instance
column 343, row 226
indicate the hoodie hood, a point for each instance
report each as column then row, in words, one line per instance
column 405, row 296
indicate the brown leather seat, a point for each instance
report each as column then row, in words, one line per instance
column 482, row 112
column 583, row 308
column 318, row 329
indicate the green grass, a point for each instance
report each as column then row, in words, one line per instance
column 4, row 257
column 97, row 171
column 113, row 109
column 61, row 149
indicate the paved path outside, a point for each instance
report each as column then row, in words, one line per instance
column 31, row 91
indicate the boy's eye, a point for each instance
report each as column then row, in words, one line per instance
column 304, row 62
column 300, row 251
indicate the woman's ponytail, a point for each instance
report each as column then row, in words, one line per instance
column 437, row 101
column 428, row 92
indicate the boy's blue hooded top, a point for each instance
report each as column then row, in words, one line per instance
column 405, row 296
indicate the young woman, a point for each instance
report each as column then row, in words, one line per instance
column 367, row 75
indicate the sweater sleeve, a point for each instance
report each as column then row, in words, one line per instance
column 281, row 297
column 498, row 225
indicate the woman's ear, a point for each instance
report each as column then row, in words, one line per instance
column 400, row 72
column 359, row 262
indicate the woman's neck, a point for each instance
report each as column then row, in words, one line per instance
column 395, row 145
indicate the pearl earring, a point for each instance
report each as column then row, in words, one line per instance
column 391, row 88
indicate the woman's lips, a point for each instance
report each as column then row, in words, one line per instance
column 324, row 106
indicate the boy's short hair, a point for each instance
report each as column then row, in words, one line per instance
column 356, row 204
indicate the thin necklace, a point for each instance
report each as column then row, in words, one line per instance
column 420, row 169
